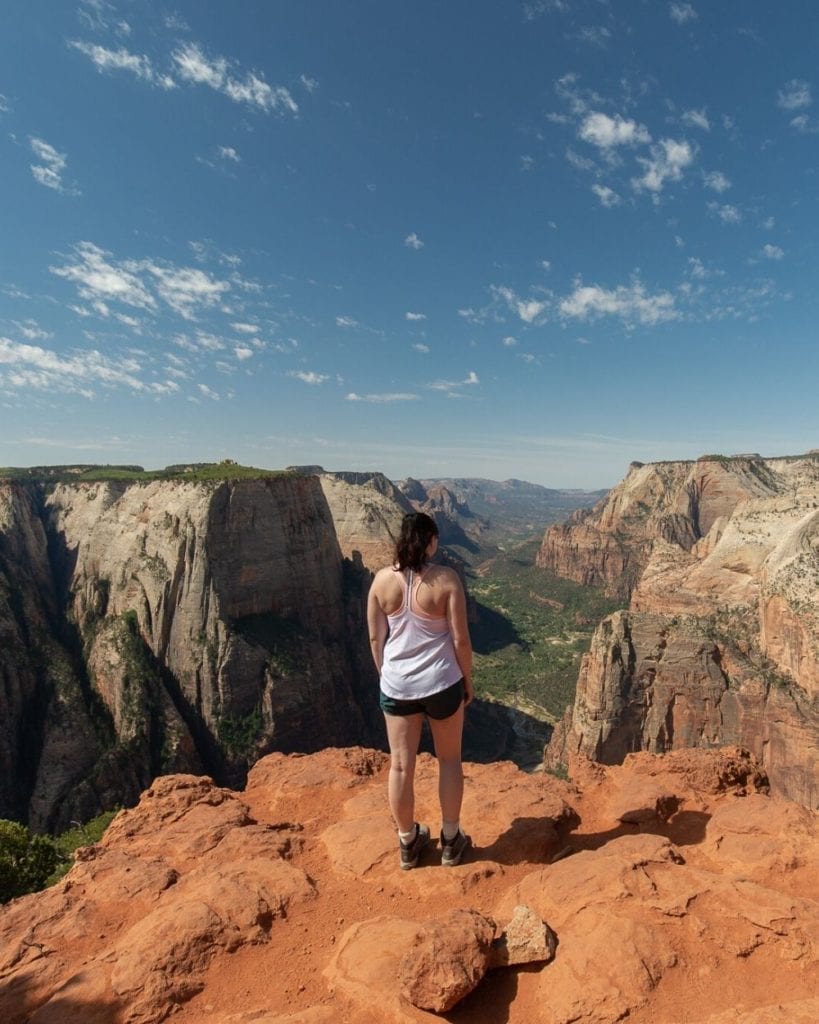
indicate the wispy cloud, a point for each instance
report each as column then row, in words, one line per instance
column 208, row 392
column 607, row 132
column 716, row 181
column 453, row 386
column 727, row 213
column 527, row 163
column 413, row 242
column 105, row 59
column 535, row 8
column 346, row 321
column 4, row 104
column 138, row 283
column 308, row 376
column 794, row 95
column 606, row 195
column 419, row 346
column 384, row 398
column 194, row 66
column 310, row 84
column 631, row 303
column 32, row 366
column 772, row 252
column 668, row 160
column 229, row 153
column 529, row 310
column 49, row 171
column 697, row 119
column 682, row 13
column 415, row 316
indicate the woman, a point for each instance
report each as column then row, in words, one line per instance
column 419, row 638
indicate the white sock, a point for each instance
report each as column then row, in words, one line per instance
column 408, row 837
column 450, row 829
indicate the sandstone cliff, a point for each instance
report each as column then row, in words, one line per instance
column 720, row 561
column 170, row 625
column 687, row 898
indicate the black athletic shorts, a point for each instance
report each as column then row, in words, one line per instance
column 437, row 705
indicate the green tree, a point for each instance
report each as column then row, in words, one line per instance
column 26, row 860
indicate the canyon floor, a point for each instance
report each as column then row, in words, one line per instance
column 679, row 891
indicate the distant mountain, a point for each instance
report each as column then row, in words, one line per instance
column 486, row 513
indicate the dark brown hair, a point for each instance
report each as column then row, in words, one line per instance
column 417, row 530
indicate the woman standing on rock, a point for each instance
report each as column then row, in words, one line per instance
column 419, row 639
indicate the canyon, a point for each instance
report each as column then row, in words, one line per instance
column 717, row 561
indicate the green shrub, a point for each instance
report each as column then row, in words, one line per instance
column 26, row 860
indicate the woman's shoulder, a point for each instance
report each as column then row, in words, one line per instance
column 443, row 575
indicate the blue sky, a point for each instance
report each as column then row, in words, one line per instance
column 497, row 239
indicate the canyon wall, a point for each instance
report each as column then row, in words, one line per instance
column 170, row 626
column 719, row 563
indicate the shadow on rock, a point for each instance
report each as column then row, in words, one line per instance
column 526, row 841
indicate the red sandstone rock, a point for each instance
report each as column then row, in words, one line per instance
column 447, row 960
column 245, row 908
column 525, row 940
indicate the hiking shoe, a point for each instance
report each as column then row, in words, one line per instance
column 452, row 851
column 411, row 853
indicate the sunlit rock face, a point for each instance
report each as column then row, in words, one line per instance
column 168, row 626
column 719, row 561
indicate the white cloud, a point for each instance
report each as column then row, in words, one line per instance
column 245, row 328
column 769, row 223
column 804, row 124
column 509, row 341
column 308, row 376
column 45, row 369
column 97, row 278
column 346, row 321
column 668, row 160
column 772, row 252
column 419, row 346
column 697, row 268
column 449, row 385
column 794, row 95
column 208, row 392
column 310, row 84
column 716, row 181
column 529, row 310
column 31, row 330
column 383, row 399
column 534, row 8
column 697, row 119
column 4, row 104
column 229, row 153
column 242, row 352
column 632, row 304
column 527, row 163
column 594, row 35
column 606, row 132
column 582, row 163
column 123, row 60
column 681, row 13
column 545, row 265
column 101, row 280
column 606, row 195
column 727, row 213
column 413, row 242
column 194, row 66
column 50, row 171
column 415, row 316
column 186, row 289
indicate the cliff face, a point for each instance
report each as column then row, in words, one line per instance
column 720, row 560
column 170, row 626
column 367, row 509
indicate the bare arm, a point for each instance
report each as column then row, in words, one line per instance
column 458, row 627
column 377, row 626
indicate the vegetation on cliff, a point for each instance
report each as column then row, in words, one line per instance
column 227, row 469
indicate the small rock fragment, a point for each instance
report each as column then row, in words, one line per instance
column 525, row 940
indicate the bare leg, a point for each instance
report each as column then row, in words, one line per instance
column 404, row 735
column 447, row 733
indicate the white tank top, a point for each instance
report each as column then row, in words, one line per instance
column 419, row 655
